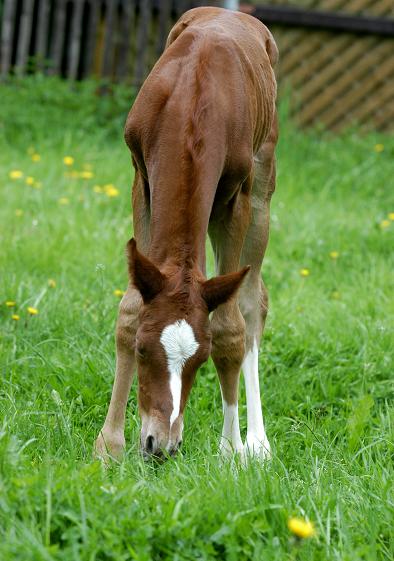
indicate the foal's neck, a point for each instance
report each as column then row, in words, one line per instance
column 179, row 225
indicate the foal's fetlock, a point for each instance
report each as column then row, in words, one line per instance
column 228, row 450
column 109, row 445
column 257, row 447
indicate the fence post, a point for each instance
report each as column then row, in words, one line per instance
column 42, row 33
column 231, row 4
column 164, row 18
column 126, row 24
column 142, row 41
column 24, row 36
column 7, row 35
column 109, row 38
column 75, row 41
column 58, row 37
column 88, row 56
column 182, row 6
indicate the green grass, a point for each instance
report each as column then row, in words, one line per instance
column 326, row 360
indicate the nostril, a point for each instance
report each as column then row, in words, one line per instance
column 149, row 444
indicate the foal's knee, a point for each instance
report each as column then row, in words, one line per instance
column 127, row 324
column 228, row 338
column 263, row 303
column 254, row 308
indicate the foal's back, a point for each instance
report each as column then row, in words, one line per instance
column 212, row 94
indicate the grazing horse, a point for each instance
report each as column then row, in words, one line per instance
column 202, row 133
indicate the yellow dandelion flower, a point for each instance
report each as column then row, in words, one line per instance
column 64, row 201
column 51, row 283
column 112, row 192
column 97, row 189
column 32, row 311
column 301, row 528
column 86, row 174
column 18, row 212
column 16, row 174
column 391, row 215
column 15, row 317
column 305, row 272
column 118, row 292
column 10, row 303
column 379, row 148
column 384, row 224
column 109, row 186
column 335, row 295
column 334, row 254
column 29, row 180
column 68, row 160
column 35, row 157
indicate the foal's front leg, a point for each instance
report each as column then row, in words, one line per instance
column 227, row 324
column 228, row 347
column 111, row 440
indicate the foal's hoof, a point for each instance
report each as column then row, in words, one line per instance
column 256, row 448
column 109, row 446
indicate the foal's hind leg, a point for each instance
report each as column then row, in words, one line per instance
column 253, row 298
column 111, row 441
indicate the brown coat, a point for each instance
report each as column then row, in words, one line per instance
column 202, row 133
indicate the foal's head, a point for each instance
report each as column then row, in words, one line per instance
column 173, row 340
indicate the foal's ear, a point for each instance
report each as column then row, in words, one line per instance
column 218, row 290
column 145, row 276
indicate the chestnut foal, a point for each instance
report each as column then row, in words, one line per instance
column 202, row 133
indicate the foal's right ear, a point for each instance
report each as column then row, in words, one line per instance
column 220, row 289
column 145, row 276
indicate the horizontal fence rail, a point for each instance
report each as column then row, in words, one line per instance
column 296, row 17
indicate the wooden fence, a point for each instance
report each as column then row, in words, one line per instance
column 336, row 56
column 113, row 39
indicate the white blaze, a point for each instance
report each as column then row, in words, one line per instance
column 179, row 344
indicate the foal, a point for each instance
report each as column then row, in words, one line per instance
column 202, row 133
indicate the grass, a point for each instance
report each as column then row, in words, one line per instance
column 326, row 360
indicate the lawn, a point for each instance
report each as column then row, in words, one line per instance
column 326, row 360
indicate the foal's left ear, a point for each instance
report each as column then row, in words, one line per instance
column 144, row 274
column 218, row 290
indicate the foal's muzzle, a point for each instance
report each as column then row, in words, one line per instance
column 158, row 438
column 152, row 448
